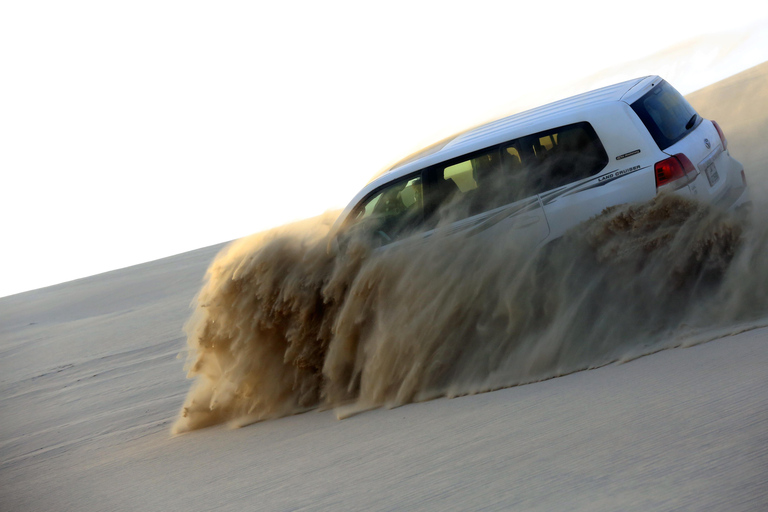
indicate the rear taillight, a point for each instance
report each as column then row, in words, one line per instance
column 721, row 134
column 675, row 171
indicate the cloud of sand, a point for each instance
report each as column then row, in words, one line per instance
column 282, row 326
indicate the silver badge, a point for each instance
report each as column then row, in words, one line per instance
column 706, row 143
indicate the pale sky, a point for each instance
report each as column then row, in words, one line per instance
column 131, row 131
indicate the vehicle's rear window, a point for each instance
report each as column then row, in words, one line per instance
column 667, row 114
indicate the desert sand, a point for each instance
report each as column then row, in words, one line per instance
column 91, row 383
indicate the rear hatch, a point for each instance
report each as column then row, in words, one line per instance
column 688, row 139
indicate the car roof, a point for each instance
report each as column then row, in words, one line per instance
column 474, row 138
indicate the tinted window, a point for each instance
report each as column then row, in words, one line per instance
column 469, row 186
column 391, row 212
column 666, row 114
column 513, row 171
column 560, row 156
column 481, row 181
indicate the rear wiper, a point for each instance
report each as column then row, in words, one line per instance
column 690, row 123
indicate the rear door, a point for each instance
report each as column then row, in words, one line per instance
column 568, row 167
column 677, row 128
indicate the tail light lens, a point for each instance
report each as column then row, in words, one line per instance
column 721, row 134
column 674, row 172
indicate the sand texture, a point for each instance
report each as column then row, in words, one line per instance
column 92, row 380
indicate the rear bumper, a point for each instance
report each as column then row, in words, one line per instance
column 736, row 199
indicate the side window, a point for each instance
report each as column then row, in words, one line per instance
column 557, row 157
column 513, row 171
column 517, row 173
column 462, row 176
column 390, row 213
column 478, row 183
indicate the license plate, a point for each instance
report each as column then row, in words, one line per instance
column 712, row 175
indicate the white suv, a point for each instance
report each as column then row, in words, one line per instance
column 543, row 171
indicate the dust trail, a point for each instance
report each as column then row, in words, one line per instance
column 281, row 326
column 261, row 326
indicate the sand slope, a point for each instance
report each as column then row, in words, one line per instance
column 90, row 384
column 740, row 105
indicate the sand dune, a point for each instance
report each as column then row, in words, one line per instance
column 740, row 105
column 90, row 384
